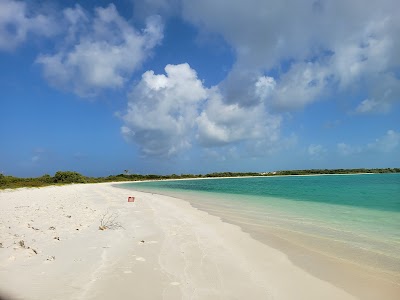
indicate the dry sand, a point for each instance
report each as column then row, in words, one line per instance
column 166, row 250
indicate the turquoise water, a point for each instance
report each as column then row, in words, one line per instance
column 358, row 214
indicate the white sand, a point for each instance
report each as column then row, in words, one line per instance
column 165, row 250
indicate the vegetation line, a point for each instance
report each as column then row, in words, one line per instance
column 67, row 177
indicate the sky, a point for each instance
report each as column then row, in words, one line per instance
column 186, row 86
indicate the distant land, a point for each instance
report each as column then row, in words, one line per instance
column 67, row 177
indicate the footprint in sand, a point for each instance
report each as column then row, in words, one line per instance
column 140, row 259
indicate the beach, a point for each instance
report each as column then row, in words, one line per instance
column 157, row 247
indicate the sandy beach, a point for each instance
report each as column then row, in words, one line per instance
column 160, row 248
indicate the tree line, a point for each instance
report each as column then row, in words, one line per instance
column 68, row 177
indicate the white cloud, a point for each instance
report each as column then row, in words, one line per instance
column 223, row 123
column 301, row 85
column 168, row 113
column 370, row 105
column 100, row 51
column 264, row 87
column 305, row 48
column 162, row 110
column 387, row 143
column 17, row 22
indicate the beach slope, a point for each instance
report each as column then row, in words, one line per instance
column 157, row 247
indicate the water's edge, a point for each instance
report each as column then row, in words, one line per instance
column 359, row 271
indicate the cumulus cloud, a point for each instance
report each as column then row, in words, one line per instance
column 17, row 22
column 288, row 55
column 264, row 87
column 162, row 110
column 303, row 84
column 168, row 113
column 306, row 49
column 223, row 123
column 100, row 51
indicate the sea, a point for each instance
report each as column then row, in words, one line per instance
column 351, row 218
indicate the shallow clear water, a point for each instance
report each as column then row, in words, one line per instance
column 359, row 213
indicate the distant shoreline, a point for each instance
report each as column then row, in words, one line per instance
column 68, row 177
column 259, row 176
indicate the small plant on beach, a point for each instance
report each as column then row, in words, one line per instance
column 109, row 221
column 22, row 244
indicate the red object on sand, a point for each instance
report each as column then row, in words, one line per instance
column 131, row 199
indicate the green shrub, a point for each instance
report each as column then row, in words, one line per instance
column 68, row 177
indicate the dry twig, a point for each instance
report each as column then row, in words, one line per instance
column 108, row 221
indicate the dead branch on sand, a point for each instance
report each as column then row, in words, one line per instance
column 108, row 221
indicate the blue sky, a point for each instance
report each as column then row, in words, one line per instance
column 185, row 86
